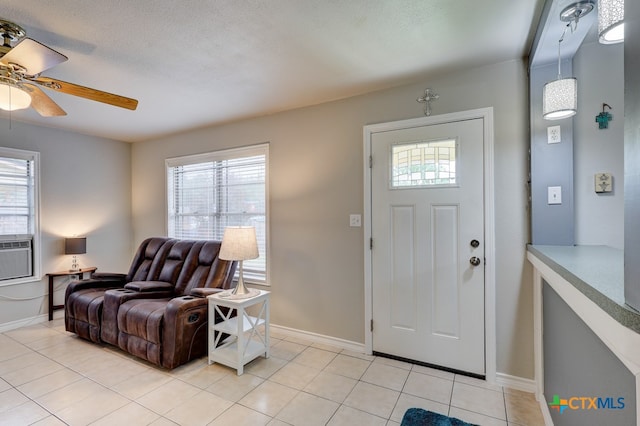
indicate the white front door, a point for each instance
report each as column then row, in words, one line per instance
column 427, row 228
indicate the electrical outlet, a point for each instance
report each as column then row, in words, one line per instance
column 355, row 220
column 554, row 134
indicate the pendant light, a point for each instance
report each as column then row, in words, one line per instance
column 610, row 21
column 560, row 97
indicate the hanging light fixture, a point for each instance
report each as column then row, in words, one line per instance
column 13, row 97
column 610, row 21
column 560, row 97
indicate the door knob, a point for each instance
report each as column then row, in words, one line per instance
column 475, row 261
column 475, row 243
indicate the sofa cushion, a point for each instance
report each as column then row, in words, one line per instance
column 200, row 269
column 173, row 263
column 142, row 318
column 149, row 258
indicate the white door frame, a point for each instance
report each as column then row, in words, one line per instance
column 489, row 223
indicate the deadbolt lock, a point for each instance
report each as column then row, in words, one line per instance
column 475, row 243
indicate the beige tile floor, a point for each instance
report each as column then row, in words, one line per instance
column 50, row 377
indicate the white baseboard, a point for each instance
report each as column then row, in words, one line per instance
column 544, row 407
column 8, row 326
column 514, row 382
column 319, row 338
column 526, row 385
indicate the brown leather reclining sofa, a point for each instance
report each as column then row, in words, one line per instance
column 157, row 311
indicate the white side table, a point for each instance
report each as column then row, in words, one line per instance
column 248, row 331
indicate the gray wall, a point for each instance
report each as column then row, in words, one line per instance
column 632, row 154
column 551, row 165
column 584, row 217
column 599, row 218
column 578, row 364
column 85, row 190
column 316, row 156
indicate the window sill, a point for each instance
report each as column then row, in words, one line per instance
column 17, row 281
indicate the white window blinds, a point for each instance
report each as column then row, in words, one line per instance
column 17, row 196
column 19, row 224
column 208, row 192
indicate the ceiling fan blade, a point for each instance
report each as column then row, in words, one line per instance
column 86, row 92
column 34, row 56
column 43, row 104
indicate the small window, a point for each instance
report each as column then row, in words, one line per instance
column 208, row 192
column 424, row 164
column 19, row 225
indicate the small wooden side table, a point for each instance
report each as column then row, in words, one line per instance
column 66, row 273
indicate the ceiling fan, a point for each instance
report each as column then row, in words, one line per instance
column 20, row 76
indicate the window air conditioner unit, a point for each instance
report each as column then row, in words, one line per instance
column 16, row 259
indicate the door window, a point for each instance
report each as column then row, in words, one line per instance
column 424, row 164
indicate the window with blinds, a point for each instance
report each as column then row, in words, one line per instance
column 208, row 192
column 19, row 242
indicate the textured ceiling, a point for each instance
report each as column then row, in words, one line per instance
column 197, row 63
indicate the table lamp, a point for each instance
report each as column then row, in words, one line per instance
column 75, row 246
column 239, row 243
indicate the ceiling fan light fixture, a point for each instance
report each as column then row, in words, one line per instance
column 610, row 21
column 13, row 98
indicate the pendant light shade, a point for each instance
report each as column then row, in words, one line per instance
column 560, row 99
column 610, row 21
column 13, row 98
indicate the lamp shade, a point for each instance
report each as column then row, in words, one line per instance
column 560, row 99
column 75, row 245
column 13, row 98
column 610, row 21
column 239, row 243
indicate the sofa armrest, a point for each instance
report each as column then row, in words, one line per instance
column 204, row 291
column 147, row 286
column 113, row 276
column 91, row 283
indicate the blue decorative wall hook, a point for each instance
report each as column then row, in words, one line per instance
column 604, row 118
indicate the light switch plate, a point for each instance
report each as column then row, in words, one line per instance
column 603, row 182
column 554, row 134
column 554, row 195
column 355, row 220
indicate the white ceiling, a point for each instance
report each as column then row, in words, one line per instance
column 202, row 62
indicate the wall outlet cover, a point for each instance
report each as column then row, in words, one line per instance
column 554, row 135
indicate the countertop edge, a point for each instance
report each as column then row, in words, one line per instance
column 625, row 315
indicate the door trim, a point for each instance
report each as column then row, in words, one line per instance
column 486, row 114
